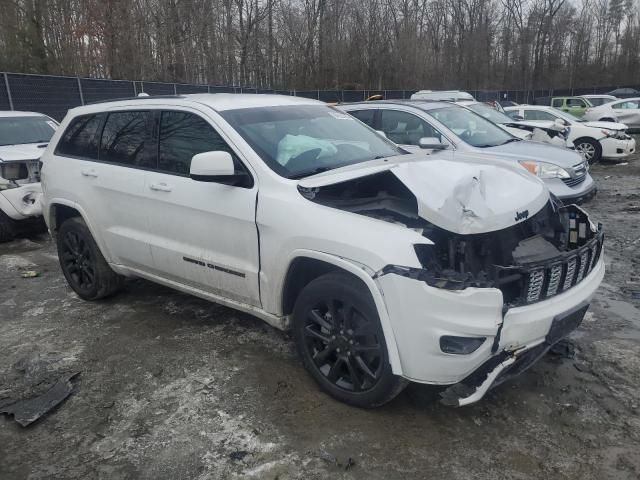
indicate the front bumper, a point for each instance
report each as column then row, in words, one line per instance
column 420, row 315
column 613, row 148
column 577, row 194
column 22, row 202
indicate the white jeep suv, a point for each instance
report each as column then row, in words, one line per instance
column 387, row 266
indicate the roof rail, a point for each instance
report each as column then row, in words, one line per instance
column 147, row 97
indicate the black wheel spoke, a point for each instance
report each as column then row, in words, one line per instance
column 366, row 348
column 353, row 374
column 320, row 358
column 309, row 331
column 317, row 318
column 365, row 368
column 334, row 371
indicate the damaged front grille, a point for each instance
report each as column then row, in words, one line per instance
column 537, row 282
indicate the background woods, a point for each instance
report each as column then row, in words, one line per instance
column 298, row 44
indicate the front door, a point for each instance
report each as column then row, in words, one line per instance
column 203, row 233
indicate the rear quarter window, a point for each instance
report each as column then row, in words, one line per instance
column 81, row 138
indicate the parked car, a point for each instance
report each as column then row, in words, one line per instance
column 388, row 267
column 507, row 103
column 595, row 140
column 576, row 106
column 549, row 132
column 23, row 137
column 597, row 100
column 449, row 129
column 626, row 111
column 450, row 95
column 624, row 93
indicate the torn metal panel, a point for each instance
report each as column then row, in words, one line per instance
column 25, row 412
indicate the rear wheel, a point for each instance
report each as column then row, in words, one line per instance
column 7, row 228
column 589, row 148
column 341, row 343
column 82, row 263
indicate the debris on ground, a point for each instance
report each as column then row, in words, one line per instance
column 564, row 348
column 238, row 455
column 30, row 274
column 25, row 412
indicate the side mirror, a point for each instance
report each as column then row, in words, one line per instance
column 431, row 143
column 518, row 118
column 561, row 122
column 381, row 133
column 211, row 166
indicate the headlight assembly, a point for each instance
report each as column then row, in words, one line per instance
column 544, row 169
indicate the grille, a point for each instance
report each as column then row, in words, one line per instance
column 573, row 182
column 545, row 281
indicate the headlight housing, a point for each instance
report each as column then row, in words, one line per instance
column 544, row 169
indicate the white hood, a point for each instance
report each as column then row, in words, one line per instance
column 464, row 197
column 607, row 125
column 29, row 151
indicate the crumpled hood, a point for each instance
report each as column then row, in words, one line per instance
column 463, row 196
column 607, row 125
column 536, row 151
column 29, row 151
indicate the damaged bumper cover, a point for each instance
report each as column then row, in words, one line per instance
column 22, row 202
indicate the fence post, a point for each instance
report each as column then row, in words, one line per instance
column 175, row 89
column 6, row 84
column 80, row 91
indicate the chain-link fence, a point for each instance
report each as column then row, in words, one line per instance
column 54, row 95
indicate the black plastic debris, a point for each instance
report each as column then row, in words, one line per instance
column 25, row 412
column 564, row 348
column 238, row 455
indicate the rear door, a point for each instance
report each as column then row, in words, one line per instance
column 628, row 112
column 203, row 233
column 105, row 157
column 576, row 106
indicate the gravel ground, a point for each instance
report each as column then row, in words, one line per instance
column 173, row 387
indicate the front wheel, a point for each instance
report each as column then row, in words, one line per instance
column 7, row 228
column 340, row 341
column 589, row 148
column 82, row 263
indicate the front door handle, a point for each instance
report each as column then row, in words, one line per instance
column 89, row 173
column 160, row 187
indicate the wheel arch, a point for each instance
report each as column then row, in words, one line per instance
column 59, row 210
column 607, row 119
column 305, row 266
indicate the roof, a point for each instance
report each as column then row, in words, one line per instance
column 15, row 113
column 420, row 104
column 216, row 101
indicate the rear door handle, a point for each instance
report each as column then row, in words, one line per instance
column 89, row 173
column 160, row 187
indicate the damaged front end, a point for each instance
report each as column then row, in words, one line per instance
column 536, row 253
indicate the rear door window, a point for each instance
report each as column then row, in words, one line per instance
column 557, row 102
column 81, row 138
column 128, row 139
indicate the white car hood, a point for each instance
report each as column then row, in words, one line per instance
column 607, row 125
column 29, row 151
column 463, row 196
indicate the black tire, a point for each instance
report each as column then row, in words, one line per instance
column 339, row 338
column 82, row 263
column 7, row 228
column 591, row 149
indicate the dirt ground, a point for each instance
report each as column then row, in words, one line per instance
column 173, row 387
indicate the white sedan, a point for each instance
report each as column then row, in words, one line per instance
column 625, row 110
column 595, row 140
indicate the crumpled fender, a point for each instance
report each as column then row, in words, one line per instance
column 22, row 202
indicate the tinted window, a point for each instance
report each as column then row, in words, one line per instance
column 405, row 128
column 183, row 135
column 127, row 139
column 81, row 137
column 20, row 130
column 365, row 116
column 576, row 102
column 557, row 102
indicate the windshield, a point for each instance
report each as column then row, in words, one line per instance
column 471, row 128
column 490, row 113
column 296, row 141
column 19, row 130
